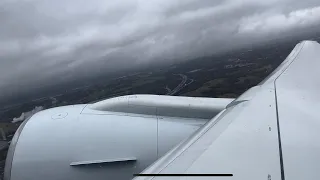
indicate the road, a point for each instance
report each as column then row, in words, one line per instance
column 168, row 89
column 181, row 85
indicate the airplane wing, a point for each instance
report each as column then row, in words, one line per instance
column 270, row 132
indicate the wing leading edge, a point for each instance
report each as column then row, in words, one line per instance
column 270, row 132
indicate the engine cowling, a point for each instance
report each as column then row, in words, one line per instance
column 83, row 141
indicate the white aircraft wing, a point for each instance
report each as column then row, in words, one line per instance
column 270, row 132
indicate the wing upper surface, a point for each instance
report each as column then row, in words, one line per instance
column 246, row 139
column 298, row 101
column 243, row 141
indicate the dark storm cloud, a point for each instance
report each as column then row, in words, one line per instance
column 44, row 39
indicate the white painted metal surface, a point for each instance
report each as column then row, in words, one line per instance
column 99, row 140
column 242, row 141
column 298, row 97
column 270, row 132
column 160, row 105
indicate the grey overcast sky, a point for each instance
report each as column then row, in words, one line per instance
column 42, row 40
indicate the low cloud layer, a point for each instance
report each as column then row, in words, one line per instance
column 42, row 41
column 277, row 23
column 27, row 115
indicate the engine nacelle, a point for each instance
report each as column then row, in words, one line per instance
column 111, row 139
